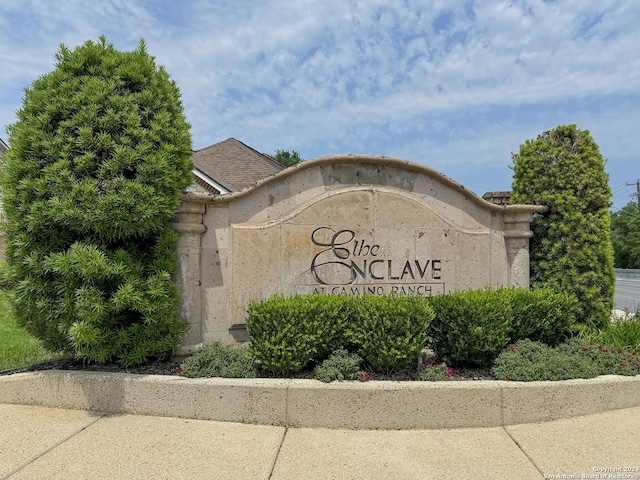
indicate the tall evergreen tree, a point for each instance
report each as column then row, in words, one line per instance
column 571, row 248
column 97, row 159
column 625, row 235
column 287, row 158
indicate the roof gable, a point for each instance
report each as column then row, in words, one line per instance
column 234, row 165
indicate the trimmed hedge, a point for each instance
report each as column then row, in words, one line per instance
column 540, row 314
column 389, row 332
column 472, row 327
column 288, row 333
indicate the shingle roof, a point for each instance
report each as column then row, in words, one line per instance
column 234, row 165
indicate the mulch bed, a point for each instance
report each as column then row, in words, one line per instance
column 171, row 368
column 156, row 368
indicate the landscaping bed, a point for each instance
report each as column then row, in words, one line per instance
column 171, row 368
column 504, row 334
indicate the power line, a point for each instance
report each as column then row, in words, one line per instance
column 637, row 194
column 619, row 188
column 620, row 195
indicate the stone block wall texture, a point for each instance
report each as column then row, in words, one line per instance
column 347, row 224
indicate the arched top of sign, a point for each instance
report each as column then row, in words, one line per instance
column 360, row 170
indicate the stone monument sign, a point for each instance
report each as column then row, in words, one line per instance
column 345, row 225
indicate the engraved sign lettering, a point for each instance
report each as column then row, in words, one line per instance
column 354, row 266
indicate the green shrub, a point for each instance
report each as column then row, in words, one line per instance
column 389, row 332
column 219, row 361
column 341, row 365
column 470, row 327
column 540, row 314
column 571, row 250
column 98, row 157
column 528, row 361
column 433, row 372
column 288, row 333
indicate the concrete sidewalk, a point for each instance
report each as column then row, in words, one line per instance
column 46, row 443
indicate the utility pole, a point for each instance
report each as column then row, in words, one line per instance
column 637, row 194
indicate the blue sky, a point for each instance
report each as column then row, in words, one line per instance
column 455, row 85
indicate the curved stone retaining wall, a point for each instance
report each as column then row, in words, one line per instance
column 310, row 403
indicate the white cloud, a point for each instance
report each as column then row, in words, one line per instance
column 347, row 66
column 362, row 75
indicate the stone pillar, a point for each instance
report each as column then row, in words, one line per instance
column 188, row 223
column 517, row 224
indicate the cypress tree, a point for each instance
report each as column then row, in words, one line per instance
column 571, row 249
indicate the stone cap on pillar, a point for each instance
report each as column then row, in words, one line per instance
column 188, row 218
column 517, row 219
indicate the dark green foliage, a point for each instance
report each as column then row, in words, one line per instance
column 390, row 331
column 98, row 157
column 288, row 333
column 540, row 314
column 341, row 365
column 528, row 361
column 219, row 361
column 471, row 327
column 287, row 158
column 571, row 248
column 625, row 236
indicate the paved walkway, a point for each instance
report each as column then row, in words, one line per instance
column 45, row 443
